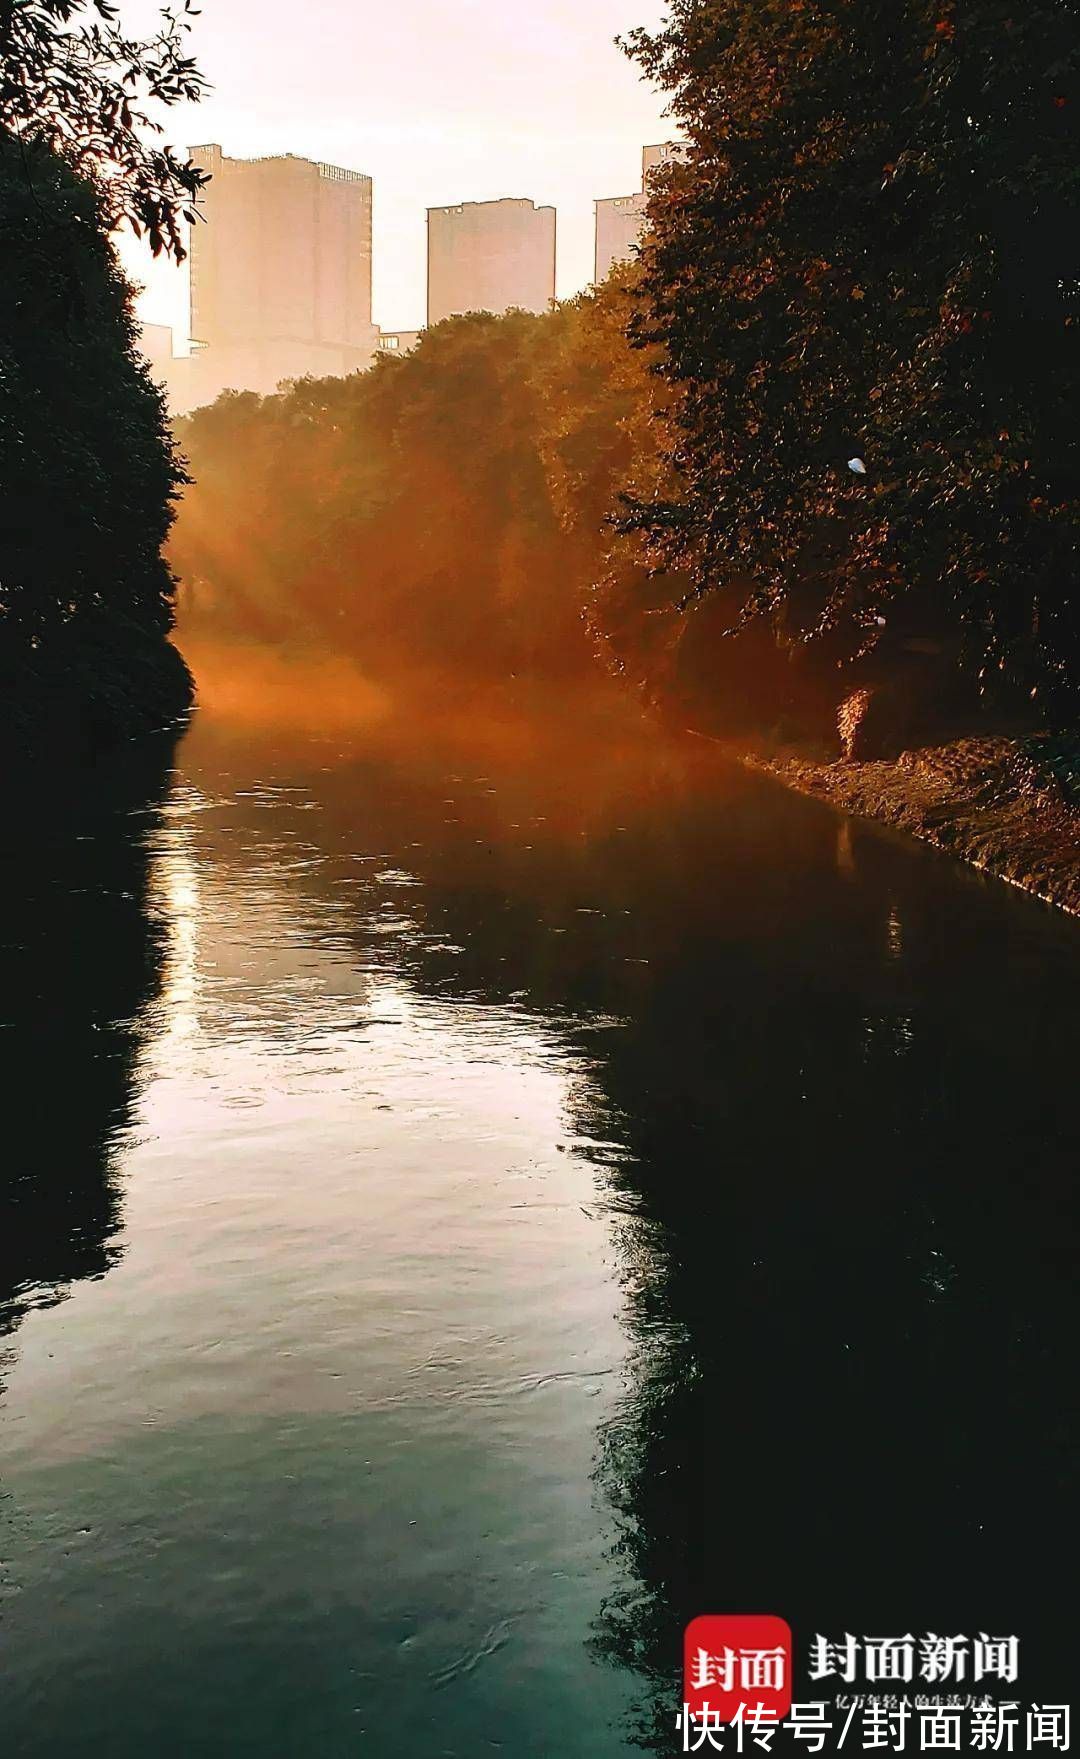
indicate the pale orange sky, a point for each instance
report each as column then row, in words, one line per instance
column 437, row 103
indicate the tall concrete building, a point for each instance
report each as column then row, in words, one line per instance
column 490, row 256
column 280, row 273
column 620, row 222
column 620, row 219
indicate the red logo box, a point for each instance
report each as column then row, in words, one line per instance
column 737, row 1664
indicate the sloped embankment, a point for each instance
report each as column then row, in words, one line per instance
column 1008, row 806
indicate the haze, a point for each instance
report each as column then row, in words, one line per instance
column 438, row 106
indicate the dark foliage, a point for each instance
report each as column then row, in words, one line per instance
column 874, row 253
column 87, row 466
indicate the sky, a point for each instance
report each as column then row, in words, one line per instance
column 437, row 103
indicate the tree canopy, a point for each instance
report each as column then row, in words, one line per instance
column 446, row 508
column 88, row 471
column 74, row 82
column 865, row 286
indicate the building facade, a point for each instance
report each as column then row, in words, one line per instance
column 655, row 158
column 620, row 222
column 490, row 256
column 396, row 343
column 280, row 273
column 621, row 219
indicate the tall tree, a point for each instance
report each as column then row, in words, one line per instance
column 866, row 285
column 88, row 471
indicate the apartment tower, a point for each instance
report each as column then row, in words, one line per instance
column 621, row 219
column 280, row 272
column 490, row 256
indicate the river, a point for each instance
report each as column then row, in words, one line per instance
column 475, row 1203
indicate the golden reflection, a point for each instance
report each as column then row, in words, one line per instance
column 845, row 851
column 175, row 894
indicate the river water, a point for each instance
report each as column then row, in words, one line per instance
column 477, row 1202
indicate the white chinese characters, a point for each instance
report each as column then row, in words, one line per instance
column 879, row 1728
column 931, row 1657
column 748, row 1670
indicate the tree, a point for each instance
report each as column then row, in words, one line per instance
column 74, row 84
column 435, row 511
column 873, row 254
column 88, row 470
column 604, row 417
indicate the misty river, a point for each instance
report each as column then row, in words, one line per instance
column 474, row 1204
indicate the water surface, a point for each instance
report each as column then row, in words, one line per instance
column 475, row 1204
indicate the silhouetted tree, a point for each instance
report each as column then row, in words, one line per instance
column 71, row 80
column 87, row 468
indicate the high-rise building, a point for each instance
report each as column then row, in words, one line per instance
column 490, row 256
column 398, row 342
column 655, row 158
column 620, row 219
column 280, row 272
column 620, row 222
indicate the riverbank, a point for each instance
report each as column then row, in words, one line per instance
column 1008, row 806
